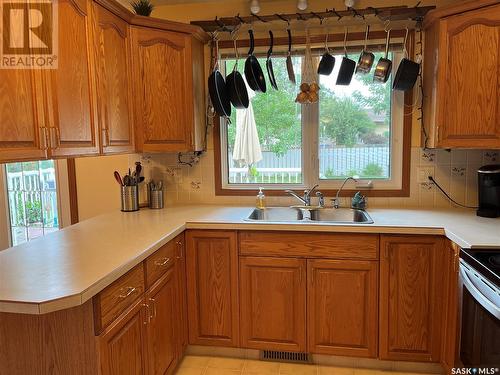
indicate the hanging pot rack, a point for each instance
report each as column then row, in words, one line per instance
column 368, row 15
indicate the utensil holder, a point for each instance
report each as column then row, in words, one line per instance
column 156, row 199
column 130, row 198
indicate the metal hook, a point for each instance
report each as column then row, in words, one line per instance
column 259, row 18
column 221, row 24
column 321, row 19
column 355, row 13
column 242, row 21
column 386, row 25
column 346, row 31
column 282, row 18
column 336, row 13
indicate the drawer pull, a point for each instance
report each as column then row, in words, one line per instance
column 162, row 262
column 130, row 290
column 152, row 315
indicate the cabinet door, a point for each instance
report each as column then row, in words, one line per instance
column 163, row 71
column 163, row 317
column 21, row 133
column 273, row 303
column 212, row 282
column 449, row 353
column 121, row 345
column 112, row 52
column 342, row 307
column 410, row 298
column 70, row 88
column 180, row 267
column 469, row 104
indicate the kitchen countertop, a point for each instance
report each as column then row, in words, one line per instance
column 66, row 268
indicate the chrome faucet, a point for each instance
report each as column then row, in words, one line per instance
column 336, row 199
column 306, row 200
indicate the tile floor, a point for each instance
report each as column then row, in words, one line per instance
column 200, row 365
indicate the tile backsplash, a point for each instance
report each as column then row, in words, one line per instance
column 455, row 171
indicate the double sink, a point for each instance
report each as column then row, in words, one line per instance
column 311, row 214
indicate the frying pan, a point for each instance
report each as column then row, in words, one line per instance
column 384, row 65
column 327, row 61
column 269, row 62
column 366, row 58
column 347, row 67
column 253, row 71
column 289, row 63
column 407, row 72
column 218, row 91
column 236, row 86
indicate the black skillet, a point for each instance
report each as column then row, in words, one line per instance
column 218, row 90
column 407, row 72
column 236, row 86
column 253, row 71
column 269, row 62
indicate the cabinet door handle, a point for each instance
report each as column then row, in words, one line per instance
column 57, row 135
column 46, row 142
column 153, row 304
column 148, row 316
column 105, row 132
column 181, row 250
column 162, row 262
column 129, row 291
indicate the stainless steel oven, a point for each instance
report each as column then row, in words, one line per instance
column 480, row 308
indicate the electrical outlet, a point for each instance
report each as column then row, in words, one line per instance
column 424, row 173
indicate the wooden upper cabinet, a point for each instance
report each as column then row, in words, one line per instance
column 462, row 79
column 411, row 298
column 163, row 320
column 71, row 94
column 121, row 348
column 273, row 303
column 22, row 133
column 342, row 307
column 112, row 61
column 167, row 116
column 212, row 285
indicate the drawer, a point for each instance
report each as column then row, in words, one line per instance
column 310, row 244
column 115, row 299
column 159, row 262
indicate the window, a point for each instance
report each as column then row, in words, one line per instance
column 352, row 130
column 32, row 199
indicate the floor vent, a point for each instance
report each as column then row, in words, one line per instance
column 273, row 355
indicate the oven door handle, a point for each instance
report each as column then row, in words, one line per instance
column 476, row 293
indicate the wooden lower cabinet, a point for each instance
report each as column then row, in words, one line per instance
column 273, row 303
column 180, row 270
column 162, row 321
column 342, row 307
column 411, row 297
column 212, row 287
column 121, row 347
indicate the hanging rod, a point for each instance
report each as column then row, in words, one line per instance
column 398, row 13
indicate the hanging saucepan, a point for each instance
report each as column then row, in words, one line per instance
column 366, row 58
column 327, row 61
column 253, row 71
column 217, row 89
column 236, row 86
column 384, row 65
column 407, row 72
column 269, row 62
column 347, row 67
column 289, row 63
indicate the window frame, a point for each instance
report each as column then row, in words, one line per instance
column 397, row 186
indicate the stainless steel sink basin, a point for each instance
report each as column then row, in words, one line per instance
column 324, row 215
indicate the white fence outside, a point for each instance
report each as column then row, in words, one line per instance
column 338, row 161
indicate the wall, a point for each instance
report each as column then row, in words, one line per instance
column 98, row 192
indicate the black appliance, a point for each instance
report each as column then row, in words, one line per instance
column 489, row 191
column 480, row 308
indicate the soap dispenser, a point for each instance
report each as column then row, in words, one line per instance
column 261, row 200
